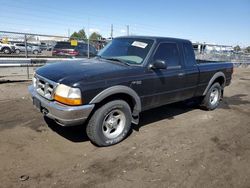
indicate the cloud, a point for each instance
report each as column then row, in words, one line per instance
column 26, row 29
column 92, row 30
column 123, row 31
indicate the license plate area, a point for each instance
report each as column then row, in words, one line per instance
column 37, row 104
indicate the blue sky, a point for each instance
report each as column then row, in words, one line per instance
column 212, row 21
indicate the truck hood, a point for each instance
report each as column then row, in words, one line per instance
column 71, row 72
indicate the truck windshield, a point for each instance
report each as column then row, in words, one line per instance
column 131, row 50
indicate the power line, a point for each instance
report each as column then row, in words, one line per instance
column 80, row 19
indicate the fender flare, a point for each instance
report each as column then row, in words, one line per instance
column 215, row 76
column 116, row 90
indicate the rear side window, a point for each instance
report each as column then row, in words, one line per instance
column 169, row 53
column 188, row 54
column 20, row 45
column 82, row 47
column 63, row 45
column 92, row 49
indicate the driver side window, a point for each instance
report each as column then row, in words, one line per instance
column 169, row 53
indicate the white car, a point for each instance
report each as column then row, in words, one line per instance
column 7, row 48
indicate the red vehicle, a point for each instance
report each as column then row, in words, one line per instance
column 66, row 49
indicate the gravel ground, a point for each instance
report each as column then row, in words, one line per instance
column 173, row 146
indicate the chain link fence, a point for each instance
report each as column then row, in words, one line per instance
column 28, row 45
column 22, row 53
column 212, row 52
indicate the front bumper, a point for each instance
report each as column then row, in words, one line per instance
column 62, row 114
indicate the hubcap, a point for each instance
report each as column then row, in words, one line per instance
column 113, row 124
column 214, row 96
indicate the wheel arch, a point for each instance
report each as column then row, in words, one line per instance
column 120, row 92
column 217, row 77
column 5, row 47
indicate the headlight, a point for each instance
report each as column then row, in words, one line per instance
column 68, row 95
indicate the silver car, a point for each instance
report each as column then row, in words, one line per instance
column 20, row 47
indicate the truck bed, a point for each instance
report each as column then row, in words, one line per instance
column 209, row 68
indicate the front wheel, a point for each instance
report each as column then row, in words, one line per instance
column 110, row 123
column 6, row 51
column 212, row 98
column 35, row 52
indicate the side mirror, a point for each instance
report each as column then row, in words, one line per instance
column 158, row 64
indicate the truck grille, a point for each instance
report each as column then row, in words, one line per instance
column 44, row 87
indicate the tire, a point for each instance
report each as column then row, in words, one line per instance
column 17, row 51
column 35, row 52
column 6, row 50
column 212, row 99
column 110, row 123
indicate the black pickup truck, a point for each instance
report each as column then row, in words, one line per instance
column 130, row 75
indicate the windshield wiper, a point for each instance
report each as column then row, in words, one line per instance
column 117, row 60
column 99, row 56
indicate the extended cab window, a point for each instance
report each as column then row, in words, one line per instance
column 169, row 53
column 188, row 54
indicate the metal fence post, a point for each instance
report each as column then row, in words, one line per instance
column 25, row 42
column 26, row 55
column 88, row 47
column 28, row 71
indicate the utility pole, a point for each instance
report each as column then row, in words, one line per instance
column 88, row 38
column 112, row 30
column 127, row 30
column 68, row 32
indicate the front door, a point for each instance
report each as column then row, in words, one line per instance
column 169, row 83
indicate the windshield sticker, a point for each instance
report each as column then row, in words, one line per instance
column 139, row 44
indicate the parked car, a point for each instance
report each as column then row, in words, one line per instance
column 45, row 46
column 130, row 75
column 7, row 48
column 20, row 47
column 66, row 49
column 82, row 48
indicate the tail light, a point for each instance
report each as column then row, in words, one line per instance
column 73, row 52
column 54, row 51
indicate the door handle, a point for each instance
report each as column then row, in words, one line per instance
column 181, row 74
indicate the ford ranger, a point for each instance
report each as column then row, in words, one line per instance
column 130, row 75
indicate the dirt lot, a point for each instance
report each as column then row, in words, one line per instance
column 174, row 146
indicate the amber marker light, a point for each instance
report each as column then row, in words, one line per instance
column 67, row 95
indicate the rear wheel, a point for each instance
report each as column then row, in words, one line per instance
column 110, row 123
column 17, row 51
column 212, row 98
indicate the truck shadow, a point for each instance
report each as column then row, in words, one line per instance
column 78, row 133
column 164, row 112
column 74, row 133
column 235, row 100
column 172, row 110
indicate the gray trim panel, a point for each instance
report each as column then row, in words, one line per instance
column 215, row 76
column 115, row 90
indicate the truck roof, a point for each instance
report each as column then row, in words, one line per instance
column 157, row 38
